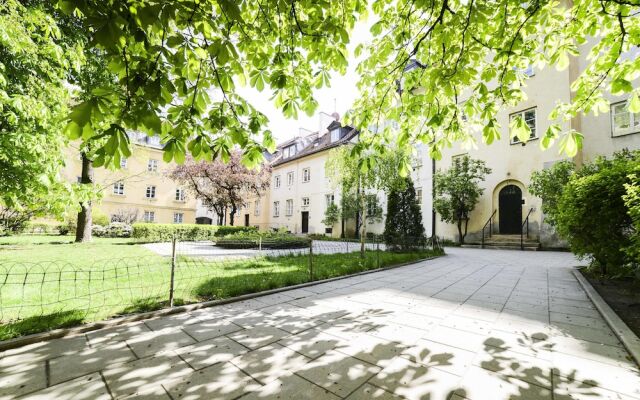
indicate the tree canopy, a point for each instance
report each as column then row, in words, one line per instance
column 179, row 65
column 35, row 60
column 222, row 186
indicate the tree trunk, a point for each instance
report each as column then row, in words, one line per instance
column 84, row 225
column 460, row 236
column 232, row 214
column 363, row 227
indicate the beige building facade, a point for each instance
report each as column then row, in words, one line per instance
column 140, row 189
column 506, row 199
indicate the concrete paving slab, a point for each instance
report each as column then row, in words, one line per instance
column 144, row 375
column 258, row 336
column 210, row 352
column 19, row 379
column 290, row 386
column 367, row 392
column 338, row 373
column 210, row 329
column 88, row 387
column 268, row 363
column 159, row 341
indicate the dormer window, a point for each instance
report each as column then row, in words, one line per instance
column 335, row 135
column 289, row 151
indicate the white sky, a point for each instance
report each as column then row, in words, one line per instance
column 339, row 97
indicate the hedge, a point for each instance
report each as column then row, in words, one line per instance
column 166, row 232
column 266, row 240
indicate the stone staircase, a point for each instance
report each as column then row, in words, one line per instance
column 505, row 242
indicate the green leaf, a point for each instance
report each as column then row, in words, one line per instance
column 634, row 103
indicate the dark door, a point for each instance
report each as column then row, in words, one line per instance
column 510, row 206
column 246, row 220
column 305, row 221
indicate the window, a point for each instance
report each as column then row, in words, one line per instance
column 152, row 165
column 335, row 135
column 118, row 188
column 151, row 192
column 305, row 202
column 178, row 218
column 149, row 216
column 180, row 194
column 276, row 181
column 276, row 208
column 419, row 196
column 373, row 208
column 289, row 151
column 123, row 162
column 290, row 179
column 256, row 208
column 529, row 117
column 329, row 199
column 306, row 175
column 623, row 122
column 289, row 209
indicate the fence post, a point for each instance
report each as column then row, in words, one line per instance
column 378, row 251
column 173, row 270
column 311, row 260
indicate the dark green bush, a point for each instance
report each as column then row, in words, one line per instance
column 165, row 232
column 592, row 215
column 266, row 240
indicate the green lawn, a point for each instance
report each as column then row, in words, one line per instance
column 47, row 282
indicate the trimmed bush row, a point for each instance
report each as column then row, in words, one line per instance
column 165, row 232
column 268, row 240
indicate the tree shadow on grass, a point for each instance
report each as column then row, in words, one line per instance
column 41, row 323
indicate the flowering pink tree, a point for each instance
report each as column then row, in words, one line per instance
column 222, row 186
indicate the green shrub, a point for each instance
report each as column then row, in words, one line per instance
column 592, row 215
column 403, row 227
column 99, row 218
column 113, row 230
column 165, row 232
column 267, row 240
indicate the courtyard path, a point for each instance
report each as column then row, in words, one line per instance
column 475, row 324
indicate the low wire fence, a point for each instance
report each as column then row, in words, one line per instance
column 36, row 297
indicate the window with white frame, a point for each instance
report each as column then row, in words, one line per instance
column 123, row 162
column 256, row 208
column 151, row 192
column 149, row 216
column 152, row 165
column 289, row 151
column 276, row 181
column 276, row 208
column 178, row 218
column 290, row 179
column 623, row 122
column 180, row 195
column 305, row 202
column 118, row 188
column 419, row 196
column 529, row 117
column 306, row 175
column 329, row 199
column 335, row 135
column 289, row 209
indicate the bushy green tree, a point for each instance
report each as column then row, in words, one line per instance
column 548, row 184
column 345, row 172
column 457, row 191
column 331, row 215
column 632, row 201
column 593, row 216
column 403, row 224
column 35, row 59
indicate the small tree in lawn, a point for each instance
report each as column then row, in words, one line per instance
column 331, row 215
column 403, row 227
column 457, row 192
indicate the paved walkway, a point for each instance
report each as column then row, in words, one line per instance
column 476, row 324
column 206, row 249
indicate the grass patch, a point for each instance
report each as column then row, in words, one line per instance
column 107, row 278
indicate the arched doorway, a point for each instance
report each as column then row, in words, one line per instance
column 510, row 209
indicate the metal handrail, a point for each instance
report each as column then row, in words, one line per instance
column 490, row 223
column 525, row 222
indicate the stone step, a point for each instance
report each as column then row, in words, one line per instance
column 502, row 246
